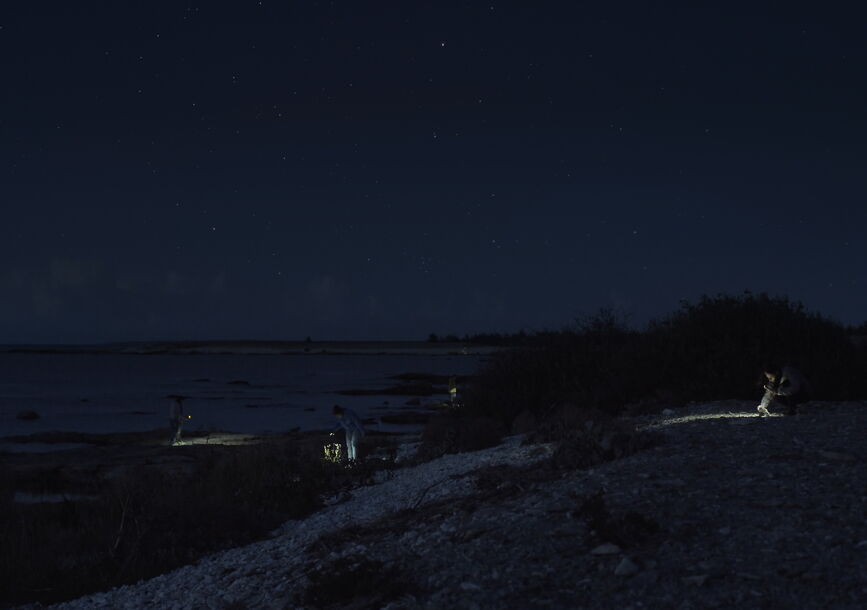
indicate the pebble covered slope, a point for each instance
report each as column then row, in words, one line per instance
column 725, row 510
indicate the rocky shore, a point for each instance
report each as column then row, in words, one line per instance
column 725, row 509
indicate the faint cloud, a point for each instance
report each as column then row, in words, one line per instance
column 175, row 283
column 475, row 311
column 69, row 272
column 374, row 306
column 323, row 300
column 126, row 283
column 46, row 301
column 324, row 289
column 172, row 283
column 12, row 281
column 153, row 321
column 219, row 284
column 50, row 288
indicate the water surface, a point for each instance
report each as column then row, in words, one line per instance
column 245, row 393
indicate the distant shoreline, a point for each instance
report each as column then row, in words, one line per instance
column 258, row 347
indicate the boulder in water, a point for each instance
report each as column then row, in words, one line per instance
column 27, row 415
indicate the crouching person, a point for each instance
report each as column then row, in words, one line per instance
column 351, row 423
column 785, row 386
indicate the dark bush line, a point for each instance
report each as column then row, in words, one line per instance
column 713, row 349
column 456, row 431
column 148, row 523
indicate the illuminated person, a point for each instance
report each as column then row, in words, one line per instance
column 785, row 386
column 349, row 421
column 767, row 399
column 176, row 414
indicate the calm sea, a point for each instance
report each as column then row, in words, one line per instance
column 232, row 392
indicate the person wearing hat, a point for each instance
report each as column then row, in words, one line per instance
column 351, row 423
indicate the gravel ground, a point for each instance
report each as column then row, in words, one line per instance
column 726, row 510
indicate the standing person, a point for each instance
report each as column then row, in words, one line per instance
column 785, row 386
column 176, row 413
column 349, row 421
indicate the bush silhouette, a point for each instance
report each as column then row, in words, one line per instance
column 150, row 521
column 713, row 349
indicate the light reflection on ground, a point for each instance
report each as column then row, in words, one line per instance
column 222, row 438
column 696, row 417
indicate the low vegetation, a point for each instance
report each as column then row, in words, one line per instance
column 713, row 349
column 455, row 431
column 152, row 520
column 566, row 386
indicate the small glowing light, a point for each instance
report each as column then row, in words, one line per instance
column 333, row 452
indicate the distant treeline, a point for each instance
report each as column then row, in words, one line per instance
column 496, row 339
column 523, row 337
column 713, row 349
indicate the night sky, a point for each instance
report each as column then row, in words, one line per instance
column 384, row 170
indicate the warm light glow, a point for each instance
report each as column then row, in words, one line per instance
column 685, row 419
column 333, row 452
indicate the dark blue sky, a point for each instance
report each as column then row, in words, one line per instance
column 364, row 170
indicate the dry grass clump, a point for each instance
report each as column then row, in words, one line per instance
column 152, row 520
column 595, row 441
column 456, row 432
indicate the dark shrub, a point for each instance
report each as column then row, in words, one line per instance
column 714, row 349
column 596, row 365
column 151, row 520
column 565, row 420
column 717, row 347
column 455, row 432
column 525, row 422
column 595, row 442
